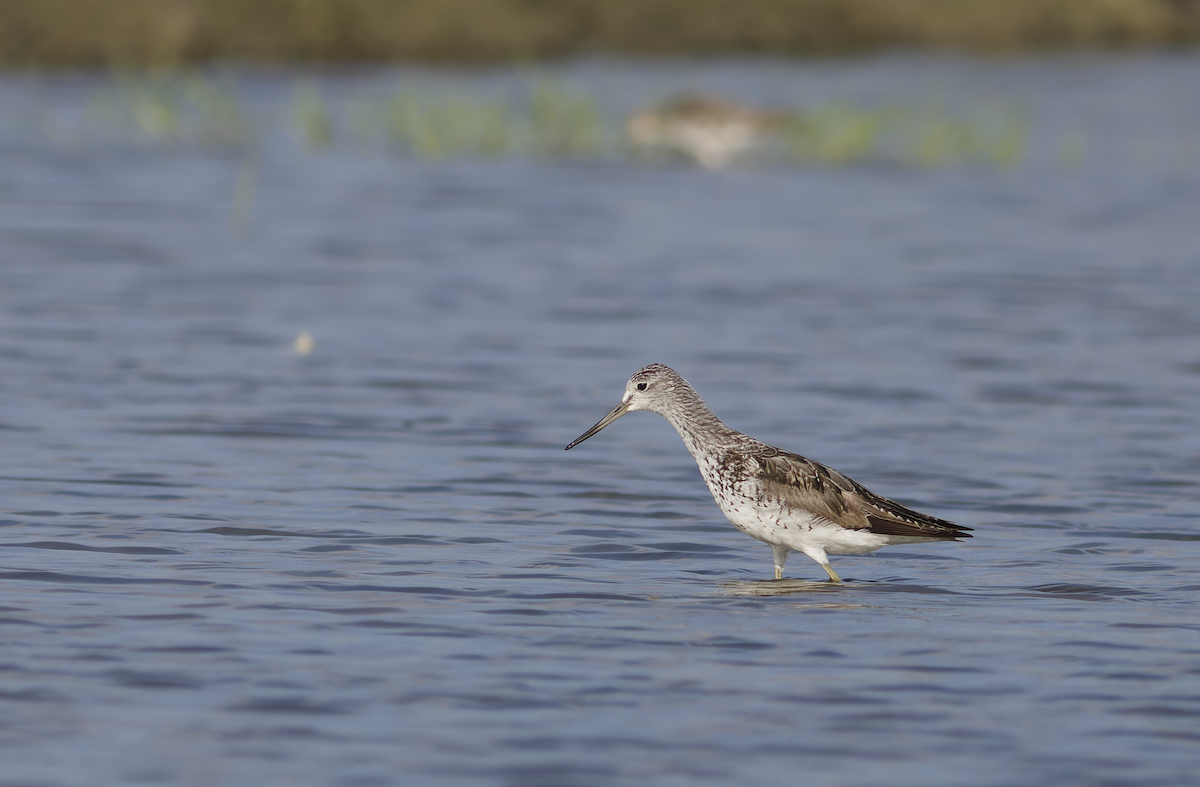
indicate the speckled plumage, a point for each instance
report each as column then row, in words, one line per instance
column 783, row 499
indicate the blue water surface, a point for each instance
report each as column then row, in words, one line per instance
column 226, row 562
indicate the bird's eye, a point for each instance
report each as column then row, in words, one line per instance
column 641, row 386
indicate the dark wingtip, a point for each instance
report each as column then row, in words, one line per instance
column 936, row 529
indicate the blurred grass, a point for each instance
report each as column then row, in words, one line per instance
column 169, row 106
column 436, row 126
column 544, row 118
column 175, row 32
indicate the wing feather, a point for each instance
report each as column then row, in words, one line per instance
column 796, row 482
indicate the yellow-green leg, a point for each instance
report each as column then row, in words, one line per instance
column 833, row 577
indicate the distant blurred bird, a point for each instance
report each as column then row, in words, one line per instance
column 707, row 129
column 303, row 344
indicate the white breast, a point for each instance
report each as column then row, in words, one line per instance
column 796, row 529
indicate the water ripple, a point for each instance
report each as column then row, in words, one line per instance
column 225, row 562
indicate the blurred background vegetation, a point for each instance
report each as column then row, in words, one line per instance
column 175, row 32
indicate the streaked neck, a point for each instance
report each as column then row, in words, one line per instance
column 698, row 425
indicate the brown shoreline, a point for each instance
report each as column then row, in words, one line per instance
column 57, row 33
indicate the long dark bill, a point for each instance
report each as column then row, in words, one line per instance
column 616, row 413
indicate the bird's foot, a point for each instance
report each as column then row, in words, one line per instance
column 833, row 577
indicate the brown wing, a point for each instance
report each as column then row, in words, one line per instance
column 796, row 482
